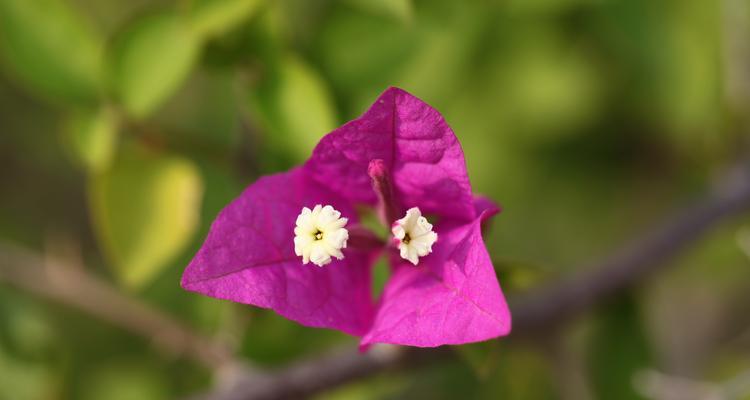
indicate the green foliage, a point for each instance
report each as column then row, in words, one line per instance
column 215, row 17
column 145, row 209
column 36, row 38
column 399, row 9
column 296, row 109
column 587, row 120
column 359, row 50
column 125, row 381
column 149, row 60
column 619, row 349
column 91, row 137
column 26, row 341
column 273, row 341
column 522, row 374
column 483, row 358
column 24, row 380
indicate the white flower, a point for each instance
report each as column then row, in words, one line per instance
column 414, row 236
column 320, row 234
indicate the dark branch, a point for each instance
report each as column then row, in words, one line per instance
column 72, row 286
column 537, row 311
column 634, row 262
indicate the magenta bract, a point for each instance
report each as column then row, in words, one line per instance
column 451, row 297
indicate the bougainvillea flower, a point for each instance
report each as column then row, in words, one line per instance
column 293, row 241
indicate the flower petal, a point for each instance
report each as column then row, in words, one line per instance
column 418, row 146
column 485, row 208
column 249, row 258
column 451, row 297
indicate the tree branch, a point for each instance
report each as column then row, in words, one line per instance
column 626, row 267
column 75, row 288
column 537, row 311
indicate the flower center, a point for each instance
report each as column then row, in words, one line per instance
column 414, row 236
column 319, row 234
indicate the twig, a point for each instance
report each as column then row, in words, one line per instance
column 660, row 386
column 77, row 289
column 558, row 302
column 308, row 377
column 537, row 311
column 656, row 385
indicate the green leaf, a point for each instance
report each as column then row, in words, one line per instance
column 273, row 341
column 522, row 373
column 380, row 387
column 51, row 49
column 149, row 60
column 518, row 275
column 25, row 328
column 483, row 358
column 145, row 209
column 399, row 9
column 360, row 49
column 126, row 380
column 91, row 135
column 619, row 349
column 25, row 380
column 215, row 17
column 545, row 75
column 295, row 110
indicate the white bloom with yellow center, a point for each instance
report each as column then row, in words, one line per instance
column 415, row 235
column 320, row 234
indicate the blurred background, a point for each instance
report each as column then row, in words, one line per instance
column 125, row 126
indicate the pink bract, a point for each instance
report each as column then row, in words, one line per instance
column 451, row 297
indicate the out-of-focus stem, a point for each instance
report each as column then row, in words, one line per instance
column 361, row 238
column 383, row 186
column 74, row 287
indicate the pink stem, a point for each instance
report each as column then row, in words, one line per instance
column 362, row 238
column 383, row 186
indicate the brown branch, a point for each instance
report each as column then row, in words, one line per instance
column 72, row 286
column 538, row 311
column 647, row 254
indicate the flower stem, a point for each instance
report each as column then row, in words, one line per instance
column 383, row 186
column 362, row 238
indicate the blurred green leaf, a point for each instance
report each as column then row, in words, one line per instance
column 48, row 46
column 360, row 50
column 145, row 210
column 550, row 7
column 205, row 116
column 518, row 275
column 692, row 98
column 522, row 374
column 21, row 380
column 381, row 271
column 446, row 40
column 125, row 381
column 619, row 349
column 400, row 9
column 25, row 328
column 546, row 78
column 295, row 110
column 215, row 17
column 149, row 60
column 91, row 136
column 272, row 340
column 441, row 380
column 380, row 387
column 483, row 357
